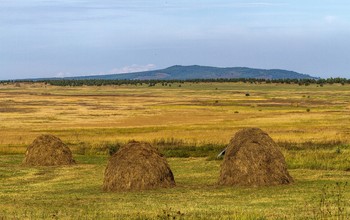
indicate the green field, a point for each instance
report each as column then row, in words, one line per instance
column 190, row 125
column 76, row 193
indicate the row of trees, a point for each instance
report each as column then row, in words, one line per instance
column 102, row 82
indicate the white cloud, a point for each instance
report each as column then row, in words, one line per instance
column 131, row 69
column 62, row 74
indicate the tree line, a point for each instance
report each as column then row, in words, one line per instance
column 103, row 82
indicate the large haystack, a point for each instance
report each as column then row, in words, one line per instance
column 48, row 150
column 253, row 159
column 137, row 166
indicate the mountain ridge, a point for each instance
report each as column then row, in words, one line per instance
column 179, row 72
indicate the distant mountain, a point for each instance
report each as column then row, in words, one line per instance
column 203, row 72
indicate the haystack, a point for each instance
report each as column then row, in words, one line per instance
column 48, row 150
column 253, row 159
column 137, row 166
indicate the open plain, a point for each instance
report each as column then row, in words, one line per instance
column 190, row 123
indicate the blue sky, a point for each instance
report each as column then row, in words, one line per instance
column 45, row 38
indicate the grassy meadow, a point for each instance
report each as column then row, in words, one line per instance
column 190, row 123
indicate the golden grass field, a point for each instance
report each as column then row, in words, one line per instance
column 195, row 113
column 311, row 124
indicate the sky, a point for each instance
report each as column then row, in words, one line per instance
column 57, row 38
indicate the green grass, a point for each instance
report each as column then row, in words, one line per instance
column 332, row 155
column 319, row 159
column 76, row 193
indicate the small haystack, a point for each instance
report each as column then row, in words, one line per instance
column 137, row 166
column 48, row 150
column 253, row 159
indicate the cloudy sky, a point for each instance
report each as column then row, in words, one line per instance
column 45, row 38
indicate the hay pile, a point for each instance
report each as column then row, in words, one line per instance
column 137, row 166
column 48, row 150
column 253, row 159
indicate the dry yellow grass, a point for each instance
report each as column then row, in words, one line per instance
column 196, row 113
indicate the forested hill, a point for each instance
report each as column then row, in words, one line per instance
column 203, row 72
